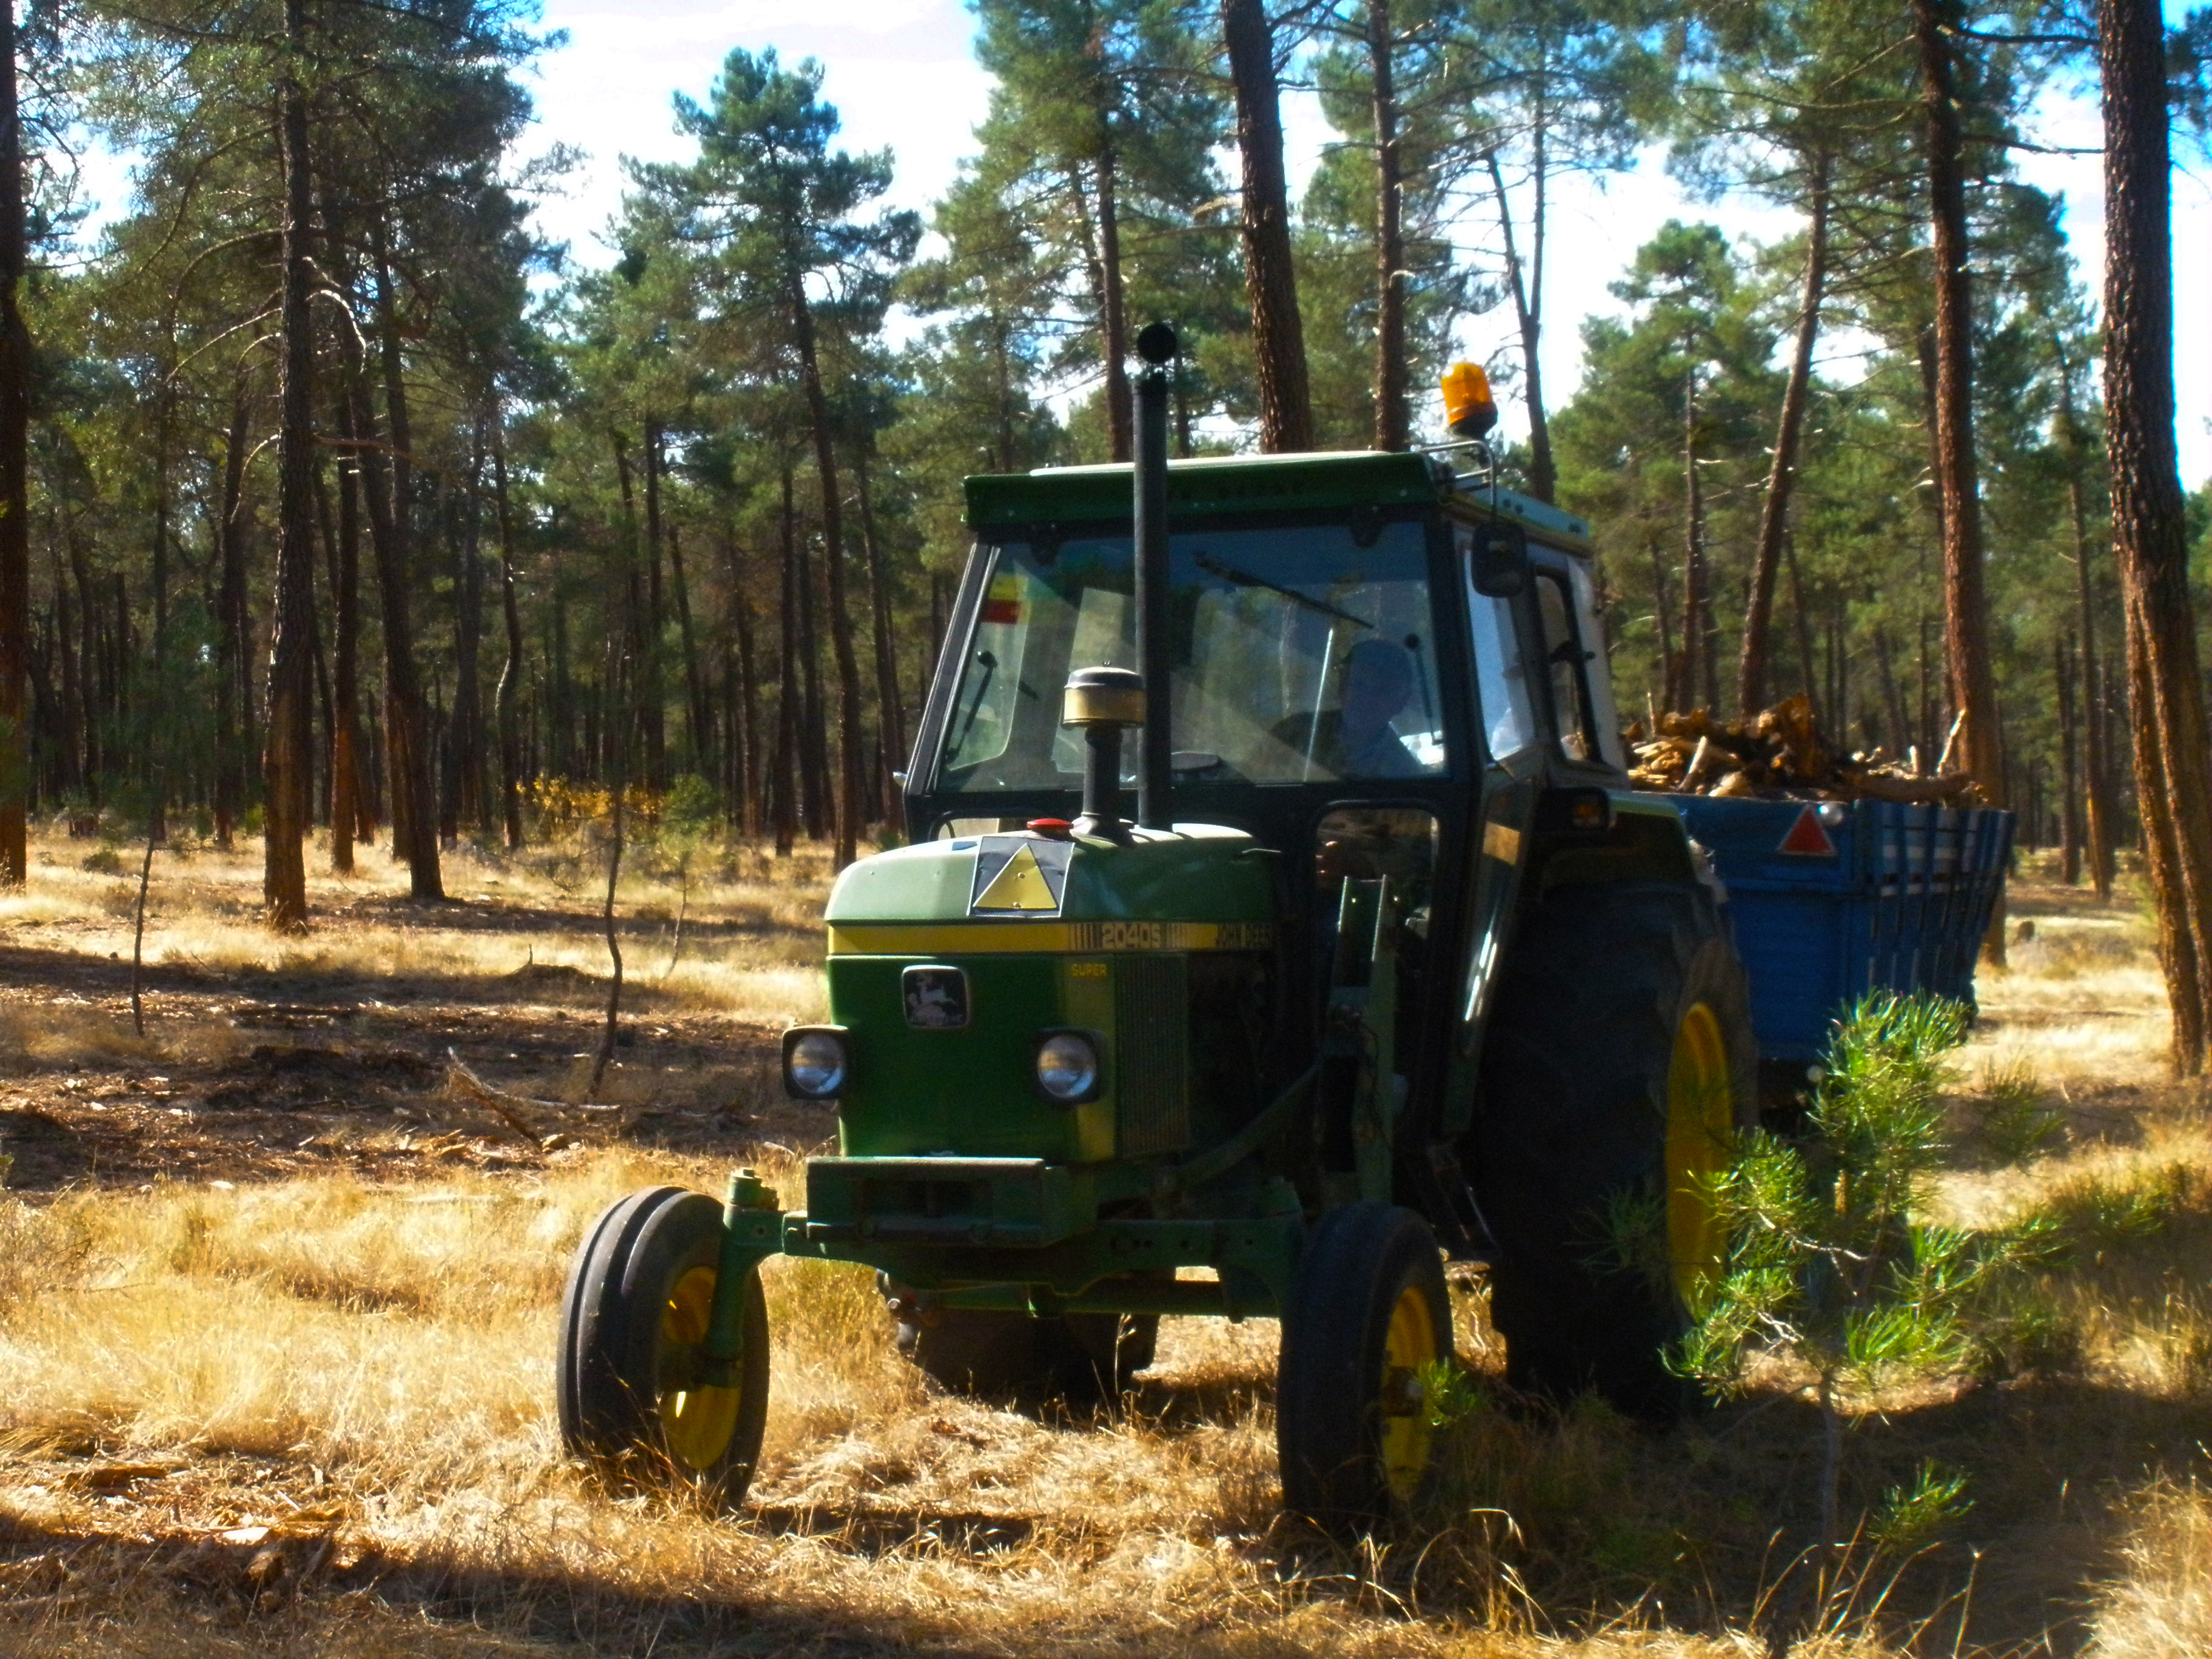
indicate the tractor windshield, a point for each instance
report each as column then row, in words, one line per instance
column 1301, row 654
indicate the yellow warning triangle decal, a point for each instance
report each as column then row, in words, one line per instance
column 1021, row 886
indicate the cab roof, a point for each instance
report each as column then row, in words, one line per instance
column 1256, row 483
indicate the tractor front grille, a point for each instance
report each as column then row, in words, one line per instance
column 1151, row 1053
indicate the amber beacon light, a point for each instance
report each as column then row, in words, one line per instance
column 1469, row 410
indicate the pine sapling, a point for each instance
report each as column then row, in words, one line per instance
column 1828, row 1265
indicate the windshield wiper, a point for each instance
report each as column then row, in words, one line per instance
column 1229, row 573
column 976, row 706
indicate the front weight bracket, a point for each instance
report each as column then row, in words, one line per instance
column 752, row 1231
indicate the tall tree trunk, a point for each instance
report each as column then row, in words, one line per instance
column 321, row 796
column 1390, row 412
column 561, row 692
column 649, row 665
column 1838, row 699
column 699, row 720
column 1923, row 686
column 507, row 698
column 1694, row 545
column 1712, row 653
column 1527, row 288
column 787, row 700
column 1008, row 396
column 1278, row 344
column 1113, row 318
column 851, row 813
column 88, row 661
column 1893, row 698
column 68, row 706
column 1661, row 609
column 347, row 797
column 14, row 482
column 632, row 595
column 891, row 718
column 2173, row 756
column 1782, row 477
column 2069, row 794
column 1967, row 607
column 407, row 735
column 230, row 623
column 753, row 779
column 2100, row 813
column 471, row 801
column 1797, row 606
column 288, row 761
column 159, row 573
column 42, row 714
column 1543, row 473
column 816, row 806
column 326, row 538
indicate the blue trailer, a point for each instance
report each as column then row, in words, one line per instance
column 1833, row 899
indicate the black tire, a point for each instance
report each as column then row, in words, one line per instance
column 1601, row 983
column 633, row 1314
column 1368, row 1307
column 1081, row 1358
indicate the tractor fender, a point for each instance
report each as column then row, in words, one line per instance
column 1644, row 840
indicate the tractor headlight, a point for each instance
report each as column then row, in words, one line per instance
column 815, row 1063
column 1067, row 1068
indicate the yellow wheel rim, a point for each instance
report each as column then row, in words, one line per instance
column 1700, row 1126
column 696, row 1423
column 1407, row 1435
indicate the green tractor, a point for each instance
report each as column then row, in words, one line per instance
column 1390, row 967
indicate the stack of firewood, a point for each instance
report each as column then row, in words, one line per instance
column 1781, row 755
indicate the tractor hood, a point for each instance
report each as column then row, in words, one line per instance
column 1197, row 887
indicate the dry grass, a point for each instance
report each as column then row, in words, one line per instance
column 2164, row 1605
column 750, row 940
column 315, row 1415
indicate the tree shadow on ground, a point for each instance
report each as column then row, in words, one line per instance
column 1613, row 1519
column 294, row 1594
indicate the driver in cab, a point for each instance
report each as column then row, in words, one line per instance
column 1356, row 740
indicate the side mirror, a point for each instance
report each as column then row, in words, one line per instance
column 1497, row 560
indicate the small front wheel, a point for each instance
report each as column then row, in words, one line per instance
column 633, row 1328
column 1368, row 1326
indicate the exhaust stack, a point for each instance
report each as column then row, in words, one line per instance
column 1157, row 345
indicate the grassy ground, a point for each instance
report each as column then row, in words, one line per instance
column 276, row 1309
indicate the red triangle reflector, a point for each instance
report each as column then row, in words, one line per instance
column 1809, row 837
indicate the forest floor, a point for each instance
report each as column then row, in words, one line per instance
column 277, row 1306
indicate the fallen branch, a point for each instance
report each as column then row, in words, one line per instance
column 523, row 1115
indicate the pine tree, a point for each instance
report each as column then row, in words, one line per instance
column 1100, row 145
column 1555, row 86
column 777, row 205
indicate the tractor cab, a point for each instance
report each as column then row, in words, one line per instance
column 1375, row 673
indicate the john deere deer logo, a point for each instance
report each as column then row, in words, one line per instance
column 936, row 997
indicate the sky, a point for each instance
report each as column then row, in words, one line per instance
column 901, row 74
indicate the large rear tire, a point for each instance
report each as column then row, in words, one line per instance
column 1619, row 1065
column 1369, row 1320
column 633, row 1320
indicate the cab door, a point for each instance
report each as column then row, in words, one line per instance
column 1508, row 726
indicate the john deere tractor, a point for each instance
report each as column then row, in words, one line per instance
column 1388, row 968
